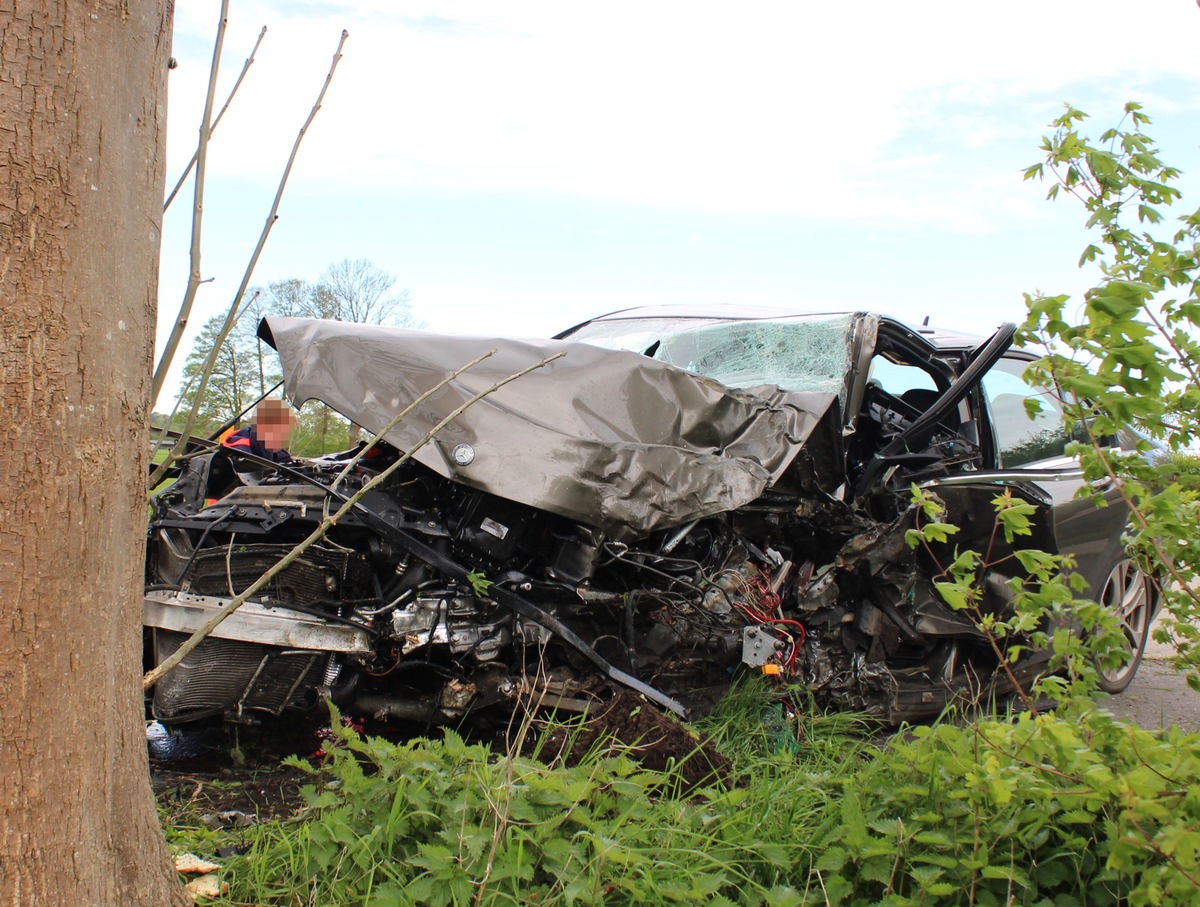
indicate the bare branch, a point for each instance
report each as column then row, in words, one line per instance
column 272, row 215
column 166, row 428
column 213, row 128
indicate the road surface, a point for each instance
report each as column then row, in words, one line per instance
column 1158, row 696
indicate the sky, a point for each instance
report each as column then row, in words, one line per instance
column 521, row 166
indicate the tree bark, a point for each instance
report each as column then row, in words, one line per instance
column 83, row 95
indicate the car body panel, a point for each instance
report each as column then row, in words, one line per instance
column 613, row 439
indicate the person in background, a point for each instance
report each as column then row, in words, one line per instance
column 268, row 435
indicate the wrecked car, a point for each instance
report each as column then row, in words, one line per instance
column 677, row 497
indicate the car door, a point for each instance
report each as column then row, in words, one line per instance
column 920, row 422
column 1032, row 448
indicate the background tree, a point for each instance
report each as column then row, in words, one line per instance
column 83, row 87
column 348, row 290
column 244, row 370
column 289, row 297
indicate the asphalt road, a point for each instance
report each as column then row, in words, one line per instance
column 1158, row 696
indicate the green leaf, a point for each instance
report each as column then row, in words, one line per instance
column 831, row 860
column 480, row 584
column 1146, row 213
column 854, row 823
column 938, row 532
column 954, row 594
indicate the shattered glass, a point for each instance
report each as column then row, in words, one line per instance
column 809, row 355
column 798, row 354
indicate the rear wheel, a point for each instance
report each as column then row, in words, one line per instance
column 1129, row 595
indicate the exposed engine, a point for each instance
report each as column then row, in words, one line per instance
column 431, row 600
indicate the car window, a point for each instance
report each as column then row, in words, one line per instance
column 1020, row 438
column 898, row 379
column 909, row 389
column 812, row 355
column 808, row 353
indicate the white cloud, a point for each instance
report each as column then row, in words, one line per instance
column 766, row 107
column 892, row 119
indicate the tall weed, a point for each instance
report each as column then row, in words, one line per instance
column 1073, row 808
column 447, row 822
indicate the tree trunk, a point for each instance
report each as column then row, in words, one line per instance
column 83, row 95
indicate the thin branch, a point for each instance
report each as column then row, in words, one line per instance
column 982, row 567
column 1073, row 406
column 273, row 215
column 189, row 296
column 1135, row 512
column 221, row 113
column 153, row 676
column 166, row 428
column 403, row 414
column 1071, row 189
column 210, row 362
column 1002, row 658
column 370, row 445
column 1157, row 849
column 1183, row 360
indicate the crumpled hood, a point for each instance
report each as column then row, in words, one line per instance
column 608, row 438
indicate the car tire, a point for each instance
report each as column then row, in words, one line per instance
column 1129, row 594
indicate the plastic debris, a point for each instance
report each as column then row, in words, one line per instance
column 190, row 864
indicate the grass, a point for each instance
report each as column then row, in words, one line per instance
column 1071, row 809
column 447, row 822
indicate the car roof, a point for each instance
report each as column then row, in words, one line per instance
column 937, row 337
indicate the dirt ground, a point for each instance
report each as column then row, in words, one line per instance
column 629, row 725
column 212, row 776
column 230, row 779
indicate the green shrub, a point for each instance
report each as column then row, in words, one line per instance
column 1075, row 808
column 445, row 822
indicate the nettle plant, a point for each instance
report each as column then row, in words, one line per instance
column 1129, row 356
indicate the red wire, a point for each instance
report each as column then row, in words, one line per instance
column 767, row 596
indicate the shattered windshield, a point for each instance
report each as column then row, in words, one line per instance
column 801, row 354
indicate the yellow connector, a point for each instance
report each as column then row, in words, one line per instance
column 772, row 670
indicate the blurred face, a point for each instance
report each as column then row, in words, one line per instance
column 273, row 421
